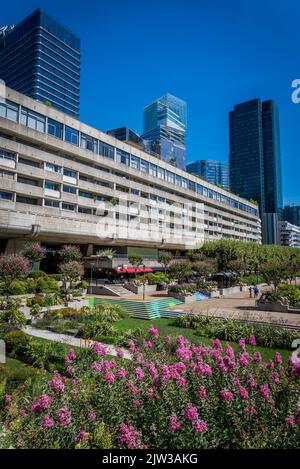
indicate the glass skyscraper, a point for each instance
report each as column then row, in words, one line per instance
column 41, row 58
column 165, row 127
column 255, row 161
column 292, row 214
column 212, row 171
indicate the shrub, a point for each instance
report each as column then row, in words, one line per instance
column 172, row 394
column 17, row 343
column 13, row 318
column 46, row 285
column 35, row 274
column 290, row 292
column 157, row 277
column 12, row 266
column 183, row 289
column 70, row 253
column 17, row 287
column 34, row 252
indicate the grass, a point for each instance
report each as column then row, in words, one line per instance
column 165, row 328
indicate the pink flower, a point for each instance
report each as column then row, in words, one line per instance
column 174, row 423
column 109, row 377
column 181, row 381
column 265, row 391
column 257, row 356
column 242, row 343
column 250, row 410
column 153, row 331
column 229, row 351
column 121, row 373
column 190, row 412
column 99, row 349
column 202, row 392
column 82, row 435
column 251, row 381
column 275, row 377
column 243, row 393
column 64, row 416
column 92, row 416
column 168, row 340
column 200, row 426
column 7, row 398
column 96, row 366
column 278, row 358
column 151, row 392
column 131, row 345
column 290, row 421
column 151, row 368
column 129, row 436
column 226, row 395
column 47, row 422
column 148, row 343
column 120, row 352
column 139, row 374
column 57, row 383
column 71, row 355
column 243, row 361
column 136, row 404
column 252, row 341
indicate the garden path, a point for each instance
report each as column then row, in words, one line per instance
column 70, row 340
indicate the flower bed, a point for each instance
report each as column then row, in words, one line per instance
column 173, row 394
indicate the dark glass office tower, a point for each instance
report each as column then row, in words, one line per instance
column 255, row 161
column 292, row 214
column 212, row 171
column 164, row 129
column 41, row 58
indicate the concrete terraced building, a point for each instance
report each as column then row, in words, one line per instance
column 63, row 181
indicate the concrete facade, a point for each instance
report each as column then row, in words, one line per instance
column 55, row 191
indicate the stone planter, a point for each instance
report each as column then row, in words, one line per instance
column 184, row 298
column 138, row 290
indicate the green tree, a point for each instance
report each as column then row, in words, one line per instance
column 12, row 266
column 274, row 272
column 72, row 271
column 181, row 270
column 165, row 258
column 135, row 261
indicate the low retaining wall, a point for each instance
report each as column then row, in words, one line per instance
column 138, row 290
column 276, row 307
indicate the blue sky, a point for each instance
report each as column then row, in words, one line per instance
column 212, row 54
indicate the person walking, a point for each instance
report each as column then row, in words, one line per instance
column 256, row 291
column 250, row 291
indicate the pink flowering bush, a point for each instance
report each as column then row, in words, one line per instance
column 171, row 394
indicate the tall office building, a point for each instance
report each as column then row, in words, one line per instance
column 291, row 214
column 165, row 127
column 212, row 171
column 255, row 161
column 41, row 58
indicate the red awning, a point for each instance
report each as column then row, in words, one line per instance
column 132, row 270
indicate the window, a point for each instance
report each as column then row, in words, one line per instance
column 153, row 170
column 184, row 183
column 51, row 185
column 88, row 143
column 170, row 177
column 106, row 150
column 30, row 182
column 51, row 203
column 55, row 128
column 70, row 207
column 144, row 166
column 33, row 120
column 6, row 195
column 85, row 210
column 7, row 155
column 134, row 191
column 69, row 189
column 134, row 162
column 71, row 135
column 26, row 200
column 9, row 110
column 161, row 173
column 70, row 173
column 123, row 157
column 88, row 195
column 177, row 180
column 53, row 167
column 32, row 163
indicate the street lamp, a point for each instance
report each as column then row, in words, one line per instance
column 91, row 280
column 144, row 282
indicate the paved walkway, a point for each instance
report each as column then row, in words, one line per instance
column 238, row 306
column 70, row 340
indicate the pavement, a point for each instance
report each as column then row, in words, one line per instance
column 70, row 340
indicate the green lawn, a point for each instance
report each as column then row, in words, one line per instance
column 164, row 326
